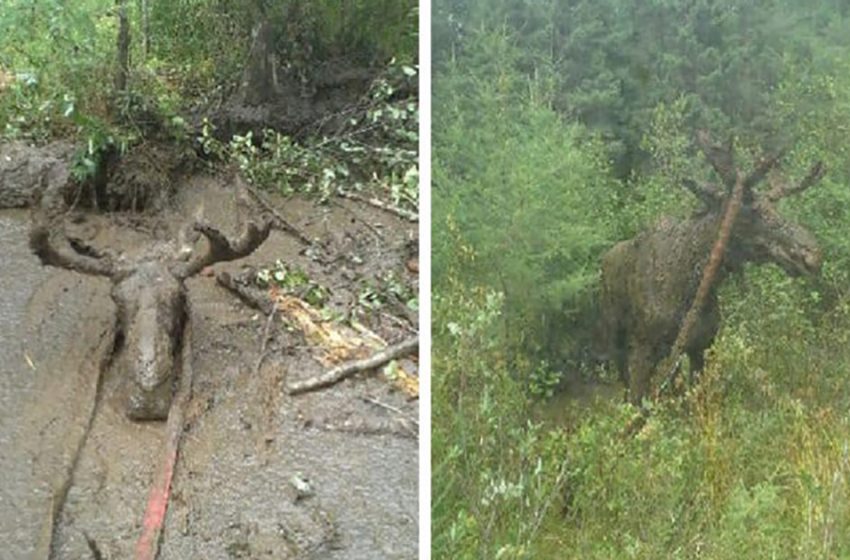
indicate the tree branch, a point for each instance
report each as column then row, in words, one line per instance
column 347, row 369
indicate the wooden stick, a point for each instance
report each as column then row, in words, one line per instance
column 147, row 547
column 347, row 369
column 709, row 274
column 253, row 297
column 400, row 212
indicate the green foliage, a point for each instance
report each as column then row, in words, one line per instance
column 385, row 290
column 294, row 281
column 498, row 474
column 608, row 64
column 56, row 54
column 752, row 463
column 514, row 186
column 375, row 150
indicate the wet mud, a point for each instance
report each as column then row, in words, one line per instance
column 261, row 474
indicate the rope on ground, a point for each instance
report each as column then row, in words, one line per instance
column 147, row 547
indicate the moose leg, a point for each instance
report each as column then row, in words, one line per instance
column 697, row 362
column 640, row 372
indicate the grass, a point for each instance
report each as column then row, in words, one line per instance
column 753, row 462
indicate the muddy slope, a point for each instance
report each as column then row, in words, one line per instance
column 247, row 446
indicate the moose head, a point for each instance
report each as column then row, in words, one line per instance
column 149, row 294
column 650, row 281
column 762, row 234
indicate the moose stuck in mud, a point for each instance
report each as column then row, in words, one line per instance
column 650, row 282
column 148, row 292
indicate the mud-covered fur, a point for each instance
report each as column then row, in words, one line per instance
column 151, row 317
column 149, row 294
column 649, row 282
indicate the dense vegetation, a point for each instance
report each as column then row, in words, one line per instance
column 61, row 65
column 560, row 128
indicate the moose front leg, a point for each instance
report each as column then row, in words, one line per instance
column 641, row 367
column 696, row 359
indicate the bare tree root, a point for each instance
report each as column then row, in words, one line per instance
column 347, row 369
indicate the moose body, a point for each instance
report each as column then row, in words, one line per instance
column 149, row 294
column 649, row 282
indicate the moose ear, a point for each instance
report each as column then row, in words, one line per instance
column 709, row 194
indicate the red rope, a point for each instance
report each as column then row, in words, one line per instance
column 147, row 547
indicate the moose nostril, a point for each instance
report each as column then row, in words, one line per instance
column 813, row 261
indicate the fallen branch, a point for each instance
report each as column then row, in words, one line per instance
column 347, row 369
column 258, row 299
column 400, row 212
column 147, row 547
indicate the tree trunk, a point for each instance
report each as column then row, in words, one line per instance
column 259, row 80
column 144, row 9
column 123, row 70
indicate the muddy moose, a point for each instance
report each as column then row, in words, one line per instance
column 650, row 281
column 149, row 294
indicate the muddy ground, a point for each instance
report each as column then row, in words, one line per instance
column 76, row 473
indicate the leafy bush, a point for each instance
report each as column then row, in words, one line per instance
column 499, row 475
column 375, row 151
column 520, row 190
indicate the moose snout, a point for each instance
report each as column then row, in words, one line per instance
column 812, row 260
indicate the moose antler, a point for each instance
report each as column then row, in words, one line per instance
column 780, row 188
column 719, row 156
column 221, row 248
column 50, row 243
column 54, row 248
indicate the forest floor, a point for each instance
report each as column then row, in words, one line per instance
column 77, row 472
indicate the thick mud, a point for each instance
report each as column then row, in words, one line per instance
column 77, row 472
